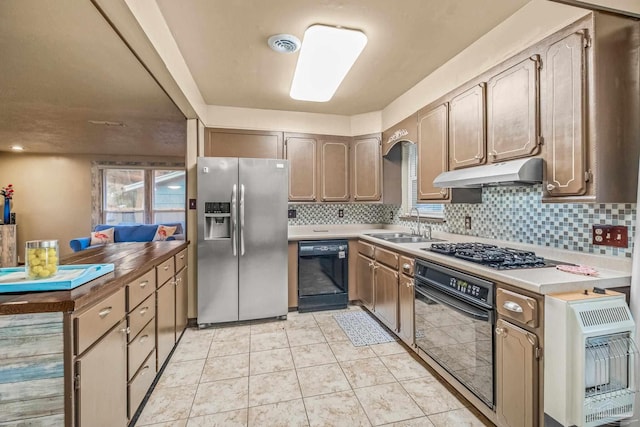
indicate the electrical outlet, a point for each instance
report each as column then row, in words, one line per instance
column 291, row 213
column 192, row 204
column 340, row 213
column 611, row 235
column 467, row 222
column 391, row 216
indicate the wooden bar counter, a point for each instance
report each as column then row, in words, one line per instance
column 86, row 357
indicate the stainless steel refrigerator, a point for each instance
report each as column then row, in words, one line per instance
column 242, row 239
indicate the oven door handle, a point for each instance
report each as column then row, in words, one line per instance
column 461, row 307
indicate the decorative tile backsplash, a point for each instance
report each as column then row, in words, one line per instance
column 354, row 213
column 507, row 213
column 518, row 214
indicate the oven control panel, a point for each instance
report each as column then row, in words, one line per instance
column 469, row 288
column 473, row 288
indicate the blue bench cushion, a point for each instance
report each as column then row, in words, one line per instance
column 128, row 233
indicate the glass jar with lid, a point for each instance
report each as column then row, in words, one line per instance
column 41, row 259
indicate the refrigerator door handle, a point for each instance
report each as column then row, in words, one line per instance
column 234, row 221
column 241, row 219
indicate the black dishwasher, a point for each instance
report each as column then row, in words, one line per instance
column 323, row 278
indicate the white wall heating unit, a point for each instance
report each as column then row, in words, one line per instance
column 591, row 359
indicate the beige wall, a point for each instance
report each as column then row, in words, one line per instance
column 52, row 198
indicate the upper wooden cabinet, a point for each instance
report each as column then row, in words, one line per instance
column 467, row 143
column 564, row 119
column 301, row 151
column 334, row 169
column 243, row 143
column 513, row 112
column 406, row 130
column 366, row 165
column 432, row 151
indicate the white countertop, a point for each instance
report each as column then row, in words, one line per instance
column 612, row 271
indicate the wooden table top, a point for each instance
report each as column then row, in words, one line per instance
column 131, row 260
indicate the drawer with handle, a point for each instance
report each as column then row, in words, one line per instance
column 141, row 346
column 387, row 258
column 366, row 249
column 141, row 315
column 94, row 322
column 517, row 307
column 181, row 259
column 140, row 384
column 141, row 288
column 165, row 271
column 407, row 265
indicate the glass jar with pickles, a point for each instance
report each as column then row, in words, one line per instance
column 41, row 259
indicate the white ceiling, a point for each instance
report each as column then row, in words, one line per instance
column 224, row 45
column 63, row 65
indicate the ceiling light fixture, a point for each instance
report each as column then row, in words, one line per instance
column 326, row 56
column 174, row 187
column 17, row 148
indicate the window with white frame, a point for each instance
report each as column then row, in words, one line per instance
column 410, row 196
column 143, row 195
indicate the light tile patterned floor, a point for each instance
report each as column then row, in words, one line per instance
column 300, row 372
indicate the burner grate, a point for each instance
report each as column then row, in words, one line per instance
column 491, row 255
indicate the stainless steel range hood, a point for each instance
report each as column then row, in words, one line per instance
column 514, row 172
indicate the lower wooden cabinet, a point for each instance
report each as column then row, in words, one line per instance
column 364, row 281
column 406, row 307
column 516, row 376
column 140, row 384
column 101, row 381
column 181, row 301
column 165, row 321
column 386, row 295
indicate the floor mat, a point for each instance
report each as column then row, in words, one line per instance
column 362, row 329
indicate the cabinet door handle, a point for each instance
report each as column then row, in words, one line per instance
column 501, row 331
column 103, row 313
column 551, row 187
column 143, row 311
column 126, row 330
column 182, row 256
column 477, row 156
column 406, row 267
column 144, row 370
column 143, row 338
column 443, row 191
column 372, row 264
column 166, row 267
column 143, row 284
column 512, row 306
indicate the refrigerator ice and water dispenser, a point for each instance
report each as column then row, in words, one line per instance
column 217, row 220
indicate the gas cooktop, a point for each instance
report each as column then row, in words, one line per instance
column 492, row 256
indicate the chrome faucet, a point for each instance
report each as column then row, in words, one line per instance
column 417, row 230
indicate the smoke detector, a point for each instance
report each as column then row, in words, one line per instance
column 284, row 43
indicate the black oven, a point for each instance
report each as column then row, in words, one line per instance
column 454, row 323
column 323, row 275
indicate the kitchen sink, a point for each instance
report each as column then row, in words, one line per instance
column 386, row 236
column 412, row 239
column 403, row 238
